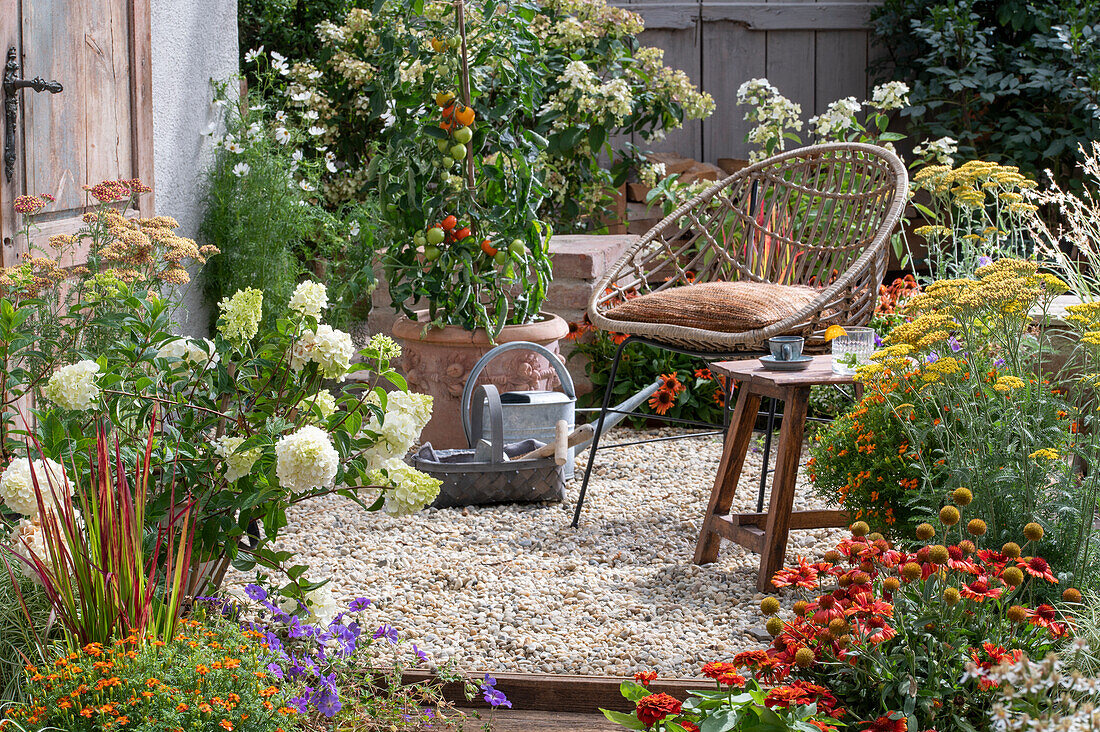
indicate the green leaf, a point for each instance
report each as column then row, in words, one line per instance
column 626, row 720
column 633, row 691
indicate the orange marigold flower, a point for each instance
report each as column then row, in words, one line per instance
column 226, row 724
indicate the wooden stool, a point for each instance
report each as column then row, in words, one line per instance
column 765, row 533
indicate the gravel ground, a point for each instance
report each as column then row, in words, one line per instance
column 514, row 588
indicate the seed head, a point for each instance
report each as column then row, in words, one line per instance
column 911, row 572
column 976, row 527
column 832, row 556
column 838, row 626
column 967, row 546
column 875, row 537
column 860, row 528
column 951, row 596
column 804, row 657
column 774, row 626
column 950, row 515
column 1033, row 531
column 769, row 606
column 800, row 608
column 939, row 554
column 1071, row 594
column 926, row 532
column 891, row 584
column 1012, row 576
column 962, row 496
column 1016, row 614
column 1011, row 550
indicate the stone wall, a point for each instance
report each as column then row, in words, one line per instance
column 580, row 260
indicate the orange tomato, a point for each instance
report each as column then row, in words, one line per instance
column 462, row 233
column 465, row 116
column 449, row 111
column 438, row 45
column 488, row 248
column 449, row 223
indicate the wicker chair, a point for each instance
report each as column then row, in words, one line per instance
column 814, row 221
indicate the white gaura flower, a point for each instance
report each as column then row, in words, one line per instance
column 280, row 116
column 252, row 54
column 241, row 169
column 282, row 135
column 17, row 484
column 306, row 460
column 316, row 131
column 301, row 97
column 234, row 147
column 237, row 463
column 305, row 185
column 309, row 299
column 73, row 386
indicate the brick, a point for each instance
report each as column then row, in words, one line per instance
column 586, row 256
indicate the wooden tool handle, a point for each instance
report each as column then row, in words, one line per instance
column 576, row 437
column 561, row 442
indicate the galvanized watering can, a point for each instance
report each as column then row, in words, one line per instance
column 527, row 414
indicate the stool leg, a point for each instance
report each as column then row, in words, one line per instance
column 599, row 431
column 786, row 475
column 729, row 472
column 767, row 454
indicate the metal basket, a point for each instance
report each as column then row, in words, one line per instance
column 470, row 480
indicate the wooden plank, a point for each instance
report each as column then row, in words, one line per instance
column 815, row 519
column 509, row 720
column 732, row 55
column 819, row 372
column 10, row 32
column 750, row 537
column 557, row 693
column 762, row 16
column 841, row 62
column 106, row 142
column 682, row 51
column 790, row 66
column 141, row 98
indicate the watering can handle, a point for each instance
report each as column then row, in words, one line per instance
column 487, row 393
column 563, row 376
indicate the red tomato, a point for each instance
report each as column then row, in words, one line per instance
column 488, row 248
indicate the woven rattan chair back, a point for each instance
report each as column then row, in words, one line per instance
column 819, row 216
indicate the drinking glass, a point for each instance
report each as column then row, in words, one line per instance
column 852, row 349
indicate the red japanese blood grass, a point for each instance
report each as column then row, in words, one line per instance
column 96, row 575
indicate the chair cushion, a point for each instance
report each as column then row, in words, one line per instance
column 725, row 307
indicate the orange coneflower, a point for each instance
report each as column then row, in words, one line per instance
column 670, row 382
column 1046, row 616
column 704, row 374
column 1037, row 567
column 662, row 400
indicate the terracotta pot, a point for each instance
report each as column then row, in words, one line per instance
column 438, row 361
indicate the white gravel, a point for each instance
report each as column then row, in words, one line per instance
column 515, row 588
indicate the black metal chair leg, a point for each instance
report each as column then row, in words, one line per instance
column 599, row 430
column 767, row 454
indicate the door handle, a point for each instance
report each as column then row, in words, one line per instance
column 12, row 84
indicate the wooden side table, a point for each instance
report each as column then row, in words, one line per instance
column 765, row 533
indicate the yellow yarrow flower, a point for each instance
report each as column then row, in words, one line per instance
column 1005, row 384
column 1045, row 453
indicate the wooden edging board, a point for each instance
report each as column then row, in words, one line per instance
column 557, row 693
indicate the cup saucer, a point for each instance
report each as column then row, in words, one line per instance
column 794, row 364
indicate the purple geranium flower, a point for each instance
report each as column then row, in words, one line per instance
column 273, row 643
column 300, row 702
column 878, row 341
column 999, row 362
column 932, row 357
column 984, row 260
column 275, row 670
column 420, row 654
column 955, row 345
column 386, row 631
column 359, row 605
column 493, row 696
column 256, row 592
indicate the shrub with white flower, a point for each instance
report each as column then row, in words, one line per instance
column 18, row 479
column 838, row 118
column 1044, row 695
column 411, row 489
column 941, row 150
column 309, row 299
column 329, row 348
column 890, row 96
column 73, row 386
column 240, row 316
column 306, row 460
column 326, row 403
column 238, row 463
column 382, row 348
column 190, row 350
column 406, row 415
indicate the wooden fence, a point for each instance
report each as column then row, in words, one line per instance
column 814, row 52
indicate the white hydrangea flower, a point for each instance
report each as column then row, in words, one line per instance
column 240, row 319
column 28, row 540
column 190, row 350
column 237, row 464
column 328, row 347
column 411, row 489
column 889, row 96
column 326, row 402
column 17, row 484
column 322, row 604
column 73, row 386
column 837, row 119
column 407, row 413
column 309, row 298
column 382, row 347
column 943, row 150
column 306, row 460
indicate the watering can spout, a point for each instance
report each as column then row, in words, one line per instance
column 617, row 413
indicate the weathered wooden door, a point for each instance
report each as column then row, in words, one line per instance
column 99, row 127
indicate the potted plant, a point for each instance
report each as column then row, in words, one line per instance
column 467, row 257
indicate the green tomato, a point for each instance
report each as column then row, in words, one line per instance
column 443, row 145
column 454, row 42
column 458, row 152
column 436, row 235
column 448, row 162
column 431, row 253
column 501, row 257
column 419, row 239
column 464, row 135
column 517, row 247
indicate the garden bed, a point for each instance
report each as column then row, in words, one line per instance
column 514, row 588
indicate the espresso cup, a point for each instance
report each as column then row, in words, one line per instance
column 786, row 348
